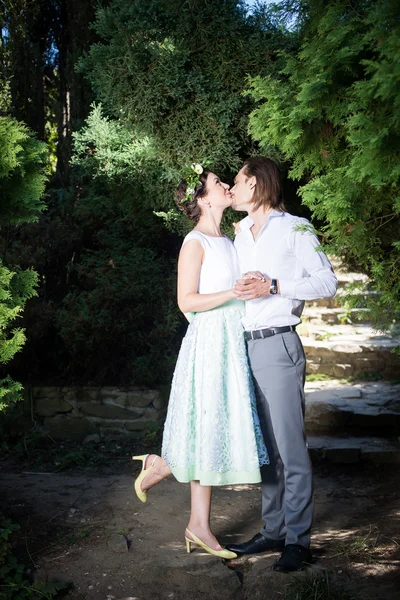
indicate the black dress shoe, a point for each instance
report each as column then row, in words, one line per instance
column 294, row 557
column 258, row 543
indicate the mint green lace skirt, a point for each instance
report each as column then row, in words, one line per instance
column 212, row 432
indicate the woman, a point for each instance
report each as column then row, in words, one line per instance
column 212, row 435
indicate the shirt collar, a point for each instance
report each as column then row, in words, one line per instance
column 248, row 222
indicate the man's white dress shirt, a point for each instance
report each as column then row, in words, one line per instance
column 287, row 250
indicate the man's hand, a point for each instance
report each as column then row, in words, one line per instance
column 254, row 275
column 253, row 285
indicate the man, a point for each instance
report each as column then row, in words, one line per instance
column 283, row 266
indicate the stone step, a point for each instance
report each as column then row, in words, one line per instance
column 345, row 278
column 336, row 302
column 321, row 315
column 350, row 351
column 353, row 408
column 360, row 332
column 347, row 449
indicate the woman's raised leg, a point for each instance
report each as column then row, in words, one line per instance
column 154, row 470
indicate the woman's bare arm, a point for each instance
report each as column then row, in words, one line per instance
column 189, row 266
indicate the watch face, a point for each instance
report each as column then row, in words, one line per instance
column 274, row 287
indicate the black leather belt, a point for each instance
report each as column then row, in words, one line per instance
column 259, row 334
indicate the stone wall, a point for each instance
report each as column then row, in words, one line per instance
column 74, row 413
column 352, row 359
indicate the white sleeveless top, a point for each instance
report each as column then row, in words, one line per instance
column 220, row 268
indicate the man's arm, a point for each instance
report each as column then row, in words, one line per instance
column 320, row 281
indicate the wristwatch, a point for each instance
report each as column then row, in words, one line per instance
column 274, row 286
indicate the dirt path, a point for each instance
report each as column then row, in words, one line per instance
column 92, row 531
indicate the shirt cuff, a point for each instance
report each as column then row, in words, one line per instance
column 287, row 287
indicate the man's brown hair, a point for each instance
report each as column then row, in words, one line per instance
column 267, row 192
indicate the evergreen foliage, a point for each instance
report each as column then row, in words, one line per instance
column 22, row 175
column 40, row 42
column 334, row 113
column 119, row 309
column 22, row 180
column 174, row 72
column 169, row 76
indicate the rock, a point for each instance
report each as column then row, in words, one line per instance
column 350, row 449
column 319, row 395
column 134, row 435
column 391, row 372
column 160, row 402
column 369, row 364
column 312, row 368
column 139, row 425
column 260, row 577
column 115, row 433
column 335, row 406
column 68, row 428
column 389, row 455
column 50, row 406
column 175, row 573
column 341, row 370
column 118, row 543
column 92, row 438
column 342, row 350
column 326, row 368
column 141, row 398
column 87, row 394
column 347, row 392
column 302, row 329
column 109, row 392
column 109, row 411
column 347, row 349
column 46, row 392
column 343, row 455
column 70, row 396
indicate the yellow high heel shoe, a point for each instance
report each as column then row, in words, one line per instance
column 220, row 553
column 139, row 492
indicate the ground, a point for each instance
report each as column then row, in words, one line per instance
column 87, row 527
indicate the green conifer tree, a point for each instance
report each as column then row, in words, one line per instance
column 173, row 71
column 334, row 113
column 22, row 179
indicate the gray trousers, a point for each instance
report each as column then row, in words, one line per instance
column 278, row 366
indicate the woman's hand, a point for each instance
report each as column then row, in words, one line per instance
column 235, row 293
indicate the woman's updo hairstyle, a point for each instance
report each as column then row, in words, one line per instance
column 190, row 207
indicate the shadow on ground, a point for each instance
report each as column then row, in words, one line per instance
column 89, row 529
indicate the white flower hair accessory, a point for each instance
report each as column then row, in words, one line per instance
column 197, row 168
column 191, row 176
